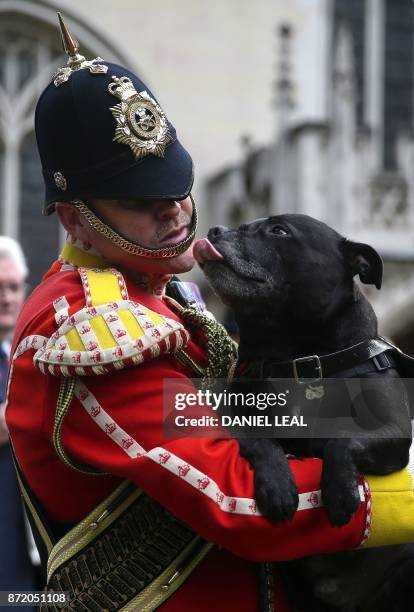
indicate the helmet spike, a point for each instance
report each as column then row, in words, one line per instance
column 70, row 44
column 75, row 60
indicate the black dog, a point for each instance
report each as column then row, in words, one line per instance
column 289, row 281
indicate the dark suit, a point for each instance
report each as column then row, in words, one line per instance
column 16, row 570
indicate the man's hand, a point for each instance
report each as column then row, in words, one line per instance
column 4, row 432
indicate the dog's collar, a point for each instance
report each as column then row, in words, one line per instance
column 315, row 367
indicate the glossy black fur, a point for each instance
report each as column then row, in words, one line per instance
column 289, row 280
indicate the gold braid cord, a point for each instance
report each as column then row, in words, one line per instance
column 221, row 349
column 130, row 247
column 65, row 397
column 129, row 554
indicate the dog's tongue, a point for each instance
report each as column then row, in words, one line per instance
column 204, row 251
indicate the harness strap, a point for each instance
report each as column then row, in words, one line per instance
column 316, row 367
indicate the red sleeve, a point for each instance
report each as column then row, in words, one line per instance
column 115, row 424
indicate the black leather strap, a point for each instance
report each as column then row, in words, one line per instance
column 316, row 367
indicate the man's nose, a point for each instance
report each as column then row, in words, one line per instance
column 166, row 209
column 6, row 294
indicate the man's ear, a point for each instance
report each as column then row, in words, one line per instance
column 363, row 260
column 71, row 220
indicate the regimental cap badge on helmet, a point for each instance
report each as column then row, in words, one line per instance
column 141, row 124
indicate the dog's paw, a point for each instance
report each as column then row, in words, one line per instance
column 341, row 500
column 278, row 499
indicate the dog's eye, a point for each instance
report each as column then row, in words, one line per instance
column 279, row 230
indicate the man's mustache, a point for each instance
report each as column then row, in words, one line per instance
column 166, row 227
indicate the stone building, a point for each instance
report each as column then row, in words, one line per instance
column 352, row 164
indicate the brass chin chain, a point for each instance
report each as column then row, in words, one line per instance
column 132, row 247
column 221, row 349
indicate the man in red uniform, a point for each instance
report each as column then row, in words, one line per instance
column 92, row 347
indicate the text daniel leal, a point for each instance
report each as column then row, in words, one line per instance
column 256, row 420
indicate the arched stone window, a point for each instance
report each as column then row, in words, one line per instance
column 30, row 51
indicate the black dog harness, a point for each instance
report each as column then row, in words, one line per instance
column 377, row 354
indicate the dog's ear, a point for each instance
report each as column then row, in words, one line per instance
column 363, row 260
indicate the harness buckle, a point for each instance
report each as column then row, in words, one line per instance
column 317, row 366
column 385, row 365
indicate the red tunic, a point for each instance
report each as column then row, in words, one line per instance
column 203, row 481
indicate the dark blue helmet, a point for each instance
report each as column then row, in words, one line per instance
column 102, row 134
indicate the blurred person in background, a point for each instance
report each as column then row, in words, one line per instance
column 16, row 570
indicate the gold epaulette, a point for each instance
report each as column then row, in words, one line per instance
column 109, row 333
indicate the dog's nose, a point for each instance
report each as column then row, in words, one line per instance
column 214, row 232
